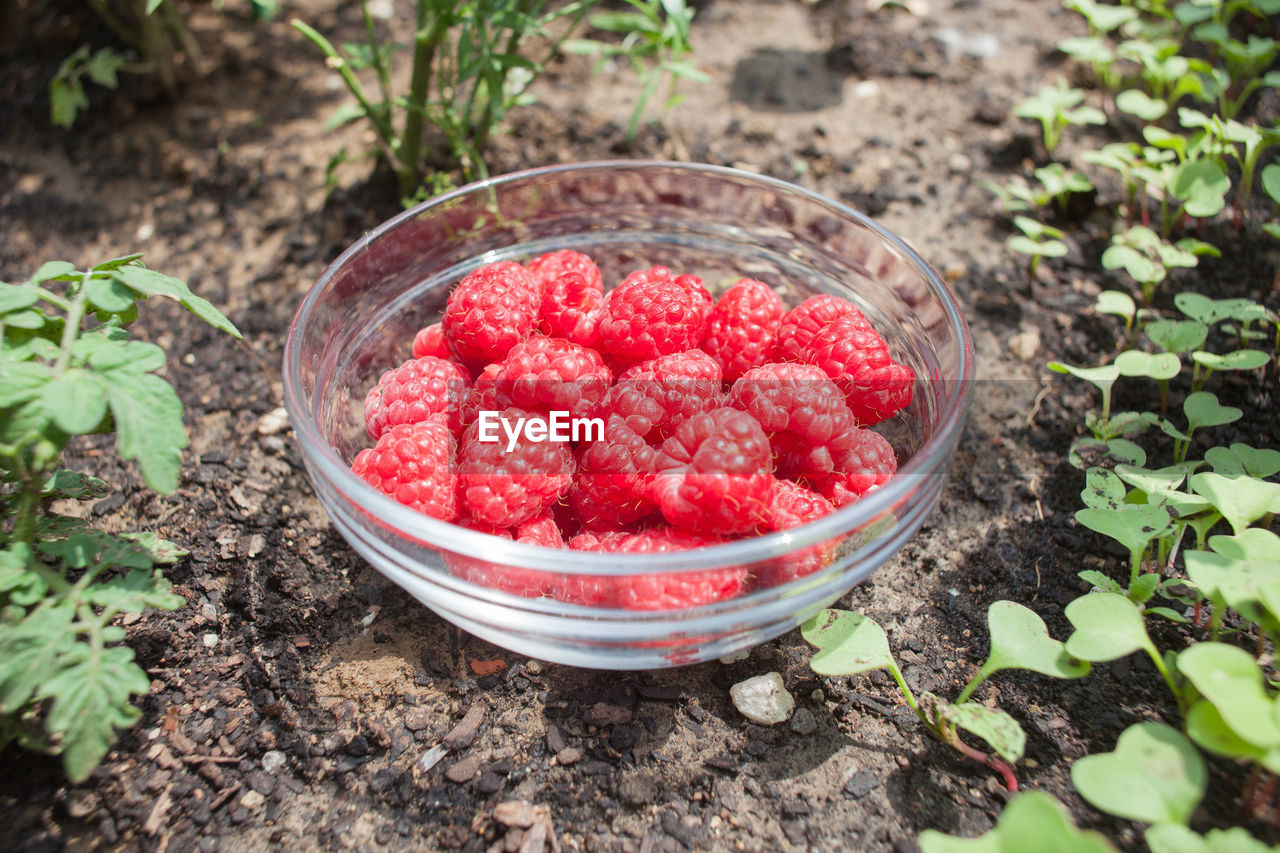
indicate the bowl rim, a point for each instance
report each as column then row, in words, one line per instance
column 470, row 543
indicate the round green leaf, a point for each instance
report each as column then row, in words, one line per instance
column 1242, row 459
column 1203, row 410
column 1271, row 181
column 76, row 401
column 1172, row 838
column 997, row 728
column 1154, row 775
column 1132, row 525
column 1206, row 727
column 1242, row 500
column 1116, row 302
column 1244, row 359
column 1137, row 265
column 1160, row 366
column 848, row 643
column 1176, row 335
column 1139, row 103
column 109, row 295
column 1033, row 820
column 1108, row 626
column 1203, row 184
column 1020, row 640
column 1232, row 681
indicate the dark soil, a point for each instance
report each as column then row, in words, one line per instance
column 294, row 699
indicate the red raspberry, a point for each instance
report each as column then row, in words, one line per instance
column 413, row 392
column 483, row 395
column 799, row 325
column 430, row 341
column 864, row 462
column 740, row 328
column 529, row 583
column 670, row 590
column 490, row 311
column 413, row 463
column 715, row 474
column 657, row 396
column 794, row 505
column 800, row 408
column 857, row 358
column 653, row 313
column 572, row 296
column 549, row 374
column 507, row 489
column 611, row 487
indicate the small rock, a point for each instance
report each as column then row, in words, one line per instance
column 569, row 755
column 861, row 783
column 417, row 718
column 803, row 722
column 763, row 699
column 1025, row 344
column 210, row 640
column 734, row 657
column 464, row 770
column 959, row 163
column 556, row 739
column 252, row 801
column 489, row 782
column 273, row 422
column 534, row 667
column 517, row 813
column 638, row 790
column 81, row 803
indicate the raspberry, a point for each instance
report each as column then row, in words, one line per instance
column 740, row 328
column 857, row 358
column 547, row 374
column 653, row 313
column 413, row 392
column 507, row 489
column 715, row 474
column 800, row 408
column 572, row 296
column 794, row 505
column 430, row 341
column 864, row 462
column 668, row 590
column 657, row 396
column 413, row 463
column 529, row 583
column 490, row 311
column 801, row 324
column 483, row 395
column 611, row 486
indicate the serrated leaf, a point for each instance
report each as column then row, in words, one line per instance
column 160, row 550
column 149, row 427
column 994, row 726
column 1020, row 640
column 28, row 651
column 848, row 643
column 1143, row 587
column 1230, row 679
column 1101, row 581
column 1108, row 626
column 21, row 381
column 151, row 283
column 134, row 592
column 73, row 485
column 88, row 547
column 1155, row 775
column 18, row 583
column 76, row 401
column 14, row 297
column 103, row 66
column 1033, row 821
column 91, row 691
column 130, row 356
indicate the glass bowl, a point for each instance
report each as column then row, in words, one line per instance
column 718, row 223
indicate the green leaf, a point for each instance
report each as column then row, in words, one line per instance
column 1203, row 410
column 1088, row 452
column 76, row 401
column 1172, row 838
column 1139, row 267
column 151, row 283
column 50, row 270
column 1150, row 482
column 126, row 356
column 1177, row 335
column 1154, row 775
column 1160, row 366
column 1102, row 377
column 1026, row 246
column 343, row 115
column 1271, row 181
column 1102, row 489
column 1240, row 459
column 134, row 592
column 89, row 547
column 994, row 726
column 1230, row 679
column 1143, row 587
column 1244, row 359
column 21, row 381
column 149, row 426
column 1252, row 544
column 28, row 651
column 1117, row 303
column 1100, row 581
column 1240, row 584
column 103, row 66
column 90, row 691
column 1033, row 821
column 1020, row 640
column 66, row 98
column 18, row 583
column 72, row 485
column 107, row 294
column 848, row 643
column 1242, row 500
column 1132, row 525
column 14, row 297
column 1139, row 103
column 1108, row 626
column 1204, row 184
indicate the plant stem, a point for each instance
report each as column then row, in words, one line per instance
column 75, row 316
column 993, row 761
column 907, row 694
column 1168, row 679
column 425, row 42
column 978, row 677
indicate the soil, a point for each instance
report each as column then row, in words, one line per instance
column 295, row 698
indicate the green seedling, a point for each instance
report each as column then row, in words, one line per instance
column 1055, row 183
column 1243, row 67
column 851, row 643
column 1057, row 108
column 66, row 90
column 1154, row 775
column 1175, row 838
column 1098, row 53
column 1236, row 714
column 1147, row 257
column 1167, row 77
column 68, row 366
column 1036, row 240
column 1127, row 160
column 1033, row 820
column 1102, row 17
column 1109, row 626
column 1245, row 143
column 655, row 42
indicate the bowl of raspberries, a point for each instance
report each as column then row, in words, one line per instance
column 628, row 414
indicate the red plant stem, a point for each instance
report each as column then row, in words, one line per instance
column 993, row 761
column 1197, row 614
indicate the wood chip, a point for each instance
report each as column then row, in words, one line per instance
column 155, row 818
column 464, row 770
column 488, row 667
column 517, row 813
column 461, row 735
column 535, row 840
column 224, row 795
column 430, row 758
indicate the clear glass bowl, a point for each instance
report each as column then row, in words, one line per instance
column 718, row 223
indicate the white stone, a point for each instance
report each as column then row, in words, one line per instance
column 763, row 699
column 273, row 761
column 734, row 657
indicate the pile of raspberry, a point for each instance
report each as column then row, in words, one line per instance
column 721, row 419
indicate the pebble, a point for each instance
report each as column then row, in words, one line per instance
column 569, row 755
column 861, row 783
column 734, row 657
column 1025, row 344
column 416, row 719
column 638, row 790
column 464, row 770
column 252, row 801
column 959, row 163
column 804, row 722
column 763, row 699
column 273, row 422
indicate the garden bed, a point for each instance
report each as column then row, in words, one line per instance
column 294, row 698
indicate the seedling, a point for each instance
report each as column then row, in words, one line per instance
column 1055, row 183
column 851, row 643
column 1037, row 240
column 1147, row 257
column 1057, row 108
column 1033, row 820
column 65, row 683
column 1154, row 775
column 1108, row 626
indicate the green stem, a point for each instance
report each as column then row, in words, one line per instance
column 426, row 41
column 75, row 316
column 1135, row 565
column 978, row 677
column 906, row 693
column 381, row 126
column 379, row 58
column 1154, row 654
